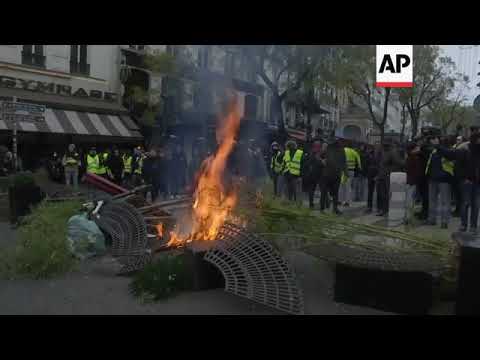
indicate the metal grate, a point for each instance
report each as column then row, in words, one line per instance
column 374, row 259
column 128, row 231
column 253, row 269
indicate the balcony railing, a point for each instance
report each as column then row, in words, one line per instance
column 32, row 59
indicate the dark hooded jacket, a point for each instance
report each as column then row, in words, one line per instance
column 336, row 161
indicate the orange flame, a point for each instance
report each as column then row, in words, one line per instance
column 213, row 203
column 160, row 229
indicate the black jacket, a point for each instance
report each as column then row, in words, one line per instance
column 435, row 170
column 388, row 161
column 312, row 169
column 370, row 165
column 467, row 162
column 115, row 163
column 336, row 161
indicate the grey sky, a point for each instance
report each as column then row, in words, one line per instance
column 466, row 57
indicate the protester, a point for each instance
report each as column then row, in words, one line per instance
column 93, row 161
column 137, row 166
column 415, row 171
column 440, row 175
column 353, row 166
column 387, row 159
column 335, row 165
column 293, row 163
column 71, row 163
column 178, row 170
column 276, row 167
column 149, row 168
column 312, row 171
column 8, row 163
column 371, row 169
column 467, row 174
column 127, row 160
column 456, row 185
column 115, row 166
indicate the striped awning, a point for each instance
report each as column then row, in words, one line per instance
column 79, row 123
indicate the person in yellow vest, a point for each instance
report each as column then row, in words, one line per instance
column 103, row 169
column 353, row 163
column 440, row 172
column 127, row 159
column 276, row 166
column 137, row 166
column 71, row 163
column 93, row 161
column 292, row 172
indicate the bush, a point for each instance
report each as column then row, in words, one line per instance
column 162, row 279
column 22, row 179
column 42, row 251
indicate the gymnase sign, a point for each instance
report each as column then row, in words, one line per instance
column 52, row 88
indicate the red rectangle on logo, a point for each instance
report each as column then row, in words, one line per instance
column 394, row 84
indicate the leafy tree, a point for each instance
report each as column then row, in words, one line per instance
column 283, row 69
column 431, row 81
column 356, row 72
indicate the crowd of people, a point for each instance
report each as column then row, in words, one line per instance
column 340, row 169
column 165, row 168
column 443, row 175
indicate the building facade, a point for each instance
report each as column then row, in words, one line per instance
column 78, row 84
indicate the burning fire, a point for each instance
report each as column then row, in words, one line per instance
column 160, row 229
column 213, row 201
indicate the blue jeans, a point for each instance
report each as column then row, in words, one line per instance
column 470, row 198
column 438, row 190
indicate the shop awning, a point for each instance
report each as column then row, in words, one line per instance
column 80, row 123
column 297, row 134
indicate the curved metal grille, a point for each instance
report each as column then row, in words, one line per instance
column 128, row 231
column 254, row 269
column 374, row 259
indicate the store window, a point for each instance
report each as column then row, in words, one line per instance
column 78, row 60
column 33, row 55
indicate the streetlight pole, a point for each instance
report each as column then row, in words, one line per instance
column 14, row 139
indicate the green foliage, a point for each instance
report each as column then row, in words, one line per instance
column 21, row 179
column 163, row 63
column 162, row 279
column 42, row 251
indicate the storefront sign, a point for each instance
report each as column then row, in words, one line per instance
column 52, row 88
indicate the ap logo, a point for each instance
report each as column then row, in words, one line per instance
column 394, row 66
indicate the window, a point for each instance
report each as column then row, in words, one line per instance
column 78, row 60
column 33, row 55
column 137, row 47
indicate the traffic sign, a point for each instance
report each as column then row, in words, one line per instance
column 476, row 103
column 22, row 117
column 22, row 108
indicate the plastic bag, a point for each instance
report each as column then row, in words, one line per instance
column 84, row 237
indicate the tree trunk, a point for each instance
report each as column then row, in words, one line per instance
column 414, row 119
column 277, row 112
column 404, row 123
column 382, row 132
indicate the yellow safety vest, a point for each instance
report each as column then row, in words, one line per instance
column 447, row 165
column 138, row 169
column 71, row 161
column 292, row 164
column 102, row 169
column 127, row 164
column 275, row 165
column 93, row 164
column 352, row 159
